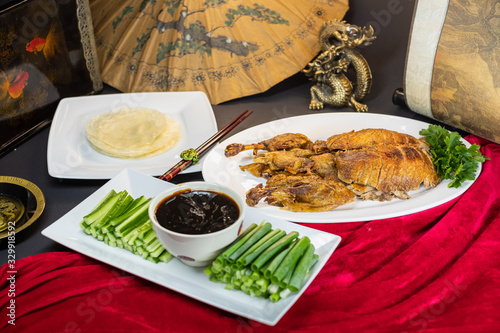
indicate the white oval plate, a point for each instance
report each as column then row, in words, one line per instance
column 219, row 169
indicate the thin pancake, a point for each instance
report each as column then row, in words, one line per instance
column 132, row 133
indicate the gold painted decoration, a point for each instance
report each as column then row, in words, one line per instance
column 225, row 48
column 453, row 63
column 465, row 80
column 29, row 199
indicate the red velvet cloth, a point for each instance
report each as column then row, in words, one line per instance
column 434, row 271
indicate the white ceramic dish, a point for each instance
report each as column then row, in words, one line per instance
column 222, row 170
column 69, row 155
column 197, row 250
column 175, row 275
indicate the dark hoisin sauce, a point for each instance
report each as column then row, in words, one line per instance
column 197, row 212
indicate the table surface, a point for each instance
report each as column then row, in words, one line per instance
column 386, row 56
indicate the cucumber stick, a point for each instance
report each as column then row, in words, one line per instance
column 124, row 200
column 110, row 194
column 99, row 213
column 122, row 221
column 265, row 262
column 133, row 219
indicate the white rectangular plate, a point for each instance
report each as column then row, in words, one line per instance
column 69, row 155
column 174, row 275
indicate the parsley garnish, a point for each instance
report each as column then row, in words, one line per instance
column 453, row 160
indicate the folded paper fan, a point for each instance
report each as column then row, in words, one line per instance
column 225, row 48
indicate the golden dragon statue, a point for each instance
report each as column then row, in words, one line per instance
column 328, row 70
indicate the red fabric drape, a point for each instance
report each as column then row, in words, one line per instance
column 434, row 271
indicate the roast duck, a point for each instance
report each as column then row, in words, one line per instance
column 306, row 176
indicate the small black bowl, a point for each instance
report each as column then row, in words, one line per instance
column 30, row 196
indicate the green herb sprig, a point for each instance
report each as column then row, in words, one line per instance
column 452, row 158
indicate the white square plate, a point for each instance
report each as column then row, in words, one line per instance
column 69, row 155
column 190, row 281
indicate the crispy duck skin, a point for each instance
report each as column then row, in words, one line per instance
column 320, row 147
column 293, row 161
column 275, row 182
column 370, row 164
column 279, row 142
column 372, row 137
column 257, row 169
column 306, row 193
column 262, row 170
column 387, row 168
column 324, row 166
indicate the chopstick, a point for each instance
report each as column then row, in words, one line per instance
column 183, row 164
